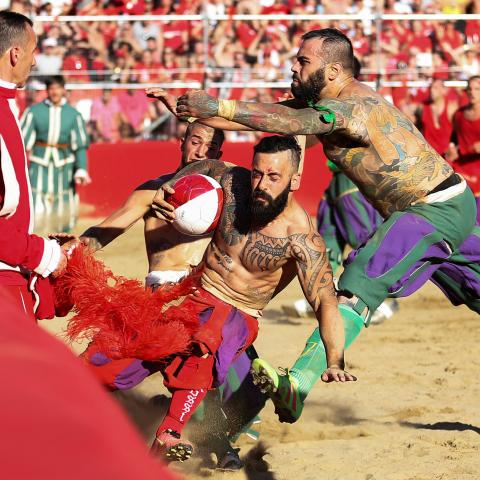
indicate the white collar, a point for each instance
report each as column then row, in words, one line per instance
column 6, row 84
column 50, row 104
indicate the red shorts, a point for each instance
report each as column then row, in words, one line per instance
column 225, row 332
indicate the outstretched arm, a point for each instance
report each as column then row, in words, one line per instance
column 267, row 117
column 170, row 101
column 316, row 279
column 136, row 206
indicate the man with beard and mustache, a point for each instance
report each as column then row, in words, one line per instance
column 263, row 239
column 429, row 229
column 171, row 256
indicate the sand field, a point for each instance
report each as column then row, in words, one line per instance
column 412, row 415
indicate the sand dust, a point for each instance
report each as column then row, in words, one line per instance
column 412, row 415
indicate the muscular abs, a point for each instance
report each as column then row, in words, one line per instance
column 246, row 265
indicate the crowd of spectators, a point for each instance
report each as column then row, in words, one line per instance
column 173, row 51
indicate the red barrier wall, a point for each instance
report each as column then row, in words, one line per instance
column 117, row 169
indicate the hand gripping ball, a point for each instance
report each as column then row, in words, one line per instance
column 198, row 202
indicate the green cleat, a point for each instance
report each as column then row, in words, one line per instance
column 282, row 389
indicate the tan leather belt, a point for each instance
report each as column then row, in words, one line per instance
column 60, row 146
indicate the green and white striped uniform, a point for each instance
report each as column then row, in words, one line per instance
column 52, row 169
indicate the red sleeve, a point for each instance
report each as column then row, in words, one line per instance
column 20, row 248
column 17, row 246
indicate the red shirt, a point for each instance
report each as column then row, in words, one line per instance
column 437, row 136
column 468, row 133
column 173, row 35
column 468, row 165
column 421, row 42
column 147, row 73
column 76, row 63
column 472, row 31
column 246, row 34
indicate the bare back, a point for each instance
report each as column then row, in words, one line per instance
column 244, row 266
column 168, row 249
column 381, row 150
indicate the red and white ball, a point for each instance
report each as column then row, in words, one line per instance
column 198, row 202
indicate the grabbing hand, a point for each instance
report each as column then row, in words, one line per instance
column 198, row 104
column 161, row 207
column 168, row 100
column 337, row 374
column 63, row 238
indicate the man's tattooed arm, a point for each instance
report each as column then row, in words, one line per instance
column 267, row 117
column 211, row 168
column 235, row 220
column 316, row 279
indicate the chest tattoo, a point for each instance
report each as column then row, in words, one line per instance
column 265, row 253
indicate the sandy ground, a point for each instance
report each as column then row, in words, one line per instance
column 412, row 415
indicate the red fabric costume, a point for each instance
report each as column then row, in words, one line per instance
column 128, row 324
column 60, row 423
column 21, row 252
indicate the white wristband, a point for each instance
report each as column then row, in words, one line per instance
column 50, row 258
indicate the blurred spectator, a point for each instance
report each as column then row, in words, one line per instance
column 146, row 70
column 55, row 135
column 134, row 105
column 434, row 117
column 175, row 35
column 465, row 152
column 469, row 62
column 75, row 65
column 106, row 117
column 49, row 62
column 449, row 39
column 145, row 30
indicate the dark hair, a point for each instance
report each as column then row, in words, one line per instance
column 279, row 143
column 357, row 67
column 13, row 27
column 55, row 80
column 471, row 79
column 336, row 46
column 217, row 132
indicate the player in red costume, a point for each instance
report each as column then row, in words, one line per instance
column 466, row 127
column 435, row 117
column 26, row 260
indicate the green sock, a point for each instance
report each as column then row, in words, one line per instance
column 313, row 361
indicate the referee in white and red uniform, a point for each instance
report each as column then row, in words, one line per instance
column 26, row 260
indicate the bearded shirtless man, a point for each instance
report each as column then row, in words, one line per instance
column 263, row 236
column 171, row 255
column 429, row 211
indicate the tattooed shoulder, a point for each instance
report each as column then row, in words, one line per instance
column 234, row 222
column 313, row 267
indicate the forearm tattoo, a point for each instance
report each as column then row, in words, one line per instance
column 284, row 120
column 211, row 168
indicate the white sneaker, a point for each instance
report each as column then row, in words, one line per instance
column 385, row 311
